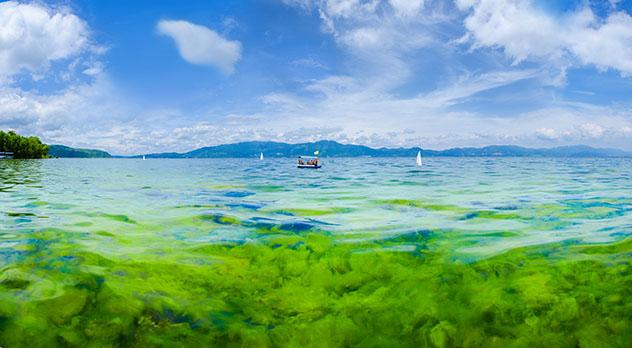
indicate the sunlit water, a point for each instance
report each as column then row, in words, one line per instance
column 484, row 205
column 363, row 252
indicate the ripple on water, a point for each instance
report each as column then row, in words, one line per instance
column 121, row 267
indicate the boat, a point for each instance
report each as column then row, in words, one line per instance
column 143, row 157
column 261, row 156
column 418, row 159
column 312, row 162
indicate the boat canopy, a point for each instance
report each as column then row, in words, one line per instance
column 307, row 156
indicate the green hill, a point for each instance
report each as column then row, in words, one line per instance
column 69, row 152
column 329, row 148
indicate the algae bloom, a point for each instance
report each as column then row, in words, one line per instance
column 210, row 253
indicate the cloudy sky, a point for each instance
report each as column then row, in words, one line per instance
column 145, row 76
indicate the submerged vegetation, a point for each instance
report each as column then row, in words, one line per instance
column 22, row 147
column 119, row 254
column 311, row 290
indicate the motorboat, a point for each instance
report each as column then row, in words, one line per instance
column 312, row 162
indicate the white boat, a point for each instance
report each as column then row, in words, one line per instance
column 143, row 157
column 418, row 158
column 312, row 162
column 261, row 156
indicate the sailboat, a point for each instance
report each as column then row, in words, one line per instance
column 418, row 159
column 261, row 156
column 143, row 157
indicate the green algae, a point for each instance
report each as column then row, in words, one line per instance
column 220, row 219
column 268, row 188
column 312, row 212
column 582, row 209
column 424, row 205
column 491, row 214
column 105, row 234
column 310, row 290
column 113, row 217
column 263, row 265
column 227, row 186
column 19, row 214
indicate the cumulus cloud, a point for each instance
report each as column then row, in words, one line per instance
column 77, row 106
column 200, row 45
column 373, row 99
column 523, row 32
column 50, row 43
column 32, row 36
column 382, row 36
column 355, row 118
column 407, row 8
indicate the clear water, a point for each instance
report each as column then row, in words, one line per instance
column 485, row 205
column 157, row 214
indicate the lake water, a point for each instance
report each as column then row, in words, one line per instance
column 232, row 251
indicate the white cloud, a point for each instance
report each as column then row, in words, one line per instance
column 378, row 32
column 358, row 119
column 77, row 106
column 51, row 43
column 591, row 130
column 363, row 38
column 309, row 63
column 470, row 85
column 524, row 32
column 407, row 8
column 200, row 45
column 546, row 133
column 32, row 36
column 362, row 102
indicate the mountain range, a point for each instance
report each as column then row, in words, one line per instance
column 329, row 148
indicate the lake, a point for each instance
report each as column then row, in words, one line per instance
column 365, row 251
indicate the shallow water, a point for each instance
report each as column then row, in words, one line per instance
column 212, row 251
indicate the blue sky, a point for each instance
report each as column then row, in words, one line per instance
column 145, row 76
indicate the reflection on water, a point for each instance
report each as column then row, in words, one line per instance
column 236, row 251
column 14, row 173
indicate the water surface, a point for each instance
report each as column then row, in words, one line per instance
column 172, row 241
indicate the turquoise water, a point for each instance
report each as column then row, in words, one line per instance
column 486, row 205
column 63, row 221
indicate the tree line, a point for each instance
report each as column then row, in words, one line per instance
column 21, row 146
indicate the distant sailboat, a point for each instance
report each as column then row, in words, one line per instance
column 143, row 157
column 261, row 156
column 419, row 158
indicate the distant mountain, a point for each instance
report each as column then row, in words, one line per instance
column 518, row 151
column 329, row 148
column 69, row 152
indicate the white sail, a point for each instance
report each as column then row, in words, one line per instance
column 261, row 156
column 419, row 158
column 143, row 157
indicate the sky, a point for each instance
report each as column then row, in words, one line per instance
column 151, row 76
